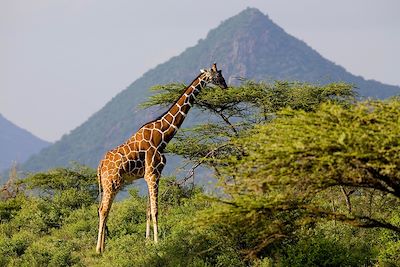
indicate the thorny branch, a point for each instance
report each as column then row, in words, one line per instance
column 194, row 167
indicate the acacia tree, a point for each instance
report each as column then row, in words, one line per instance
column 293, row 166
column 238, row 108
column 66, row 188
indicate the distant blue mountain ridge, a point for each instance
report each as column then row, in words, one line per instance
column 17, row 144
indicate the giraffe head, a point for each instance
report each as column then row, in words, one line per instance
column 214, row 76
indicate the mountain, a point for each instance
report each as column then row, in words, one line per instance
column 247, row 45
column 16, row 144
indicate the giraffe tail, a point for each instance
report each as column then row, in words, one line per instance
column 99, row 183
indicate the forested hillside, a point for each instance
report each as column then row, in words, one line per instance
column 307, row 176
column 248, row 45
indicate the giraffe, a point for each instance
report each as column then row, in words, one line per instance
column 141, row 156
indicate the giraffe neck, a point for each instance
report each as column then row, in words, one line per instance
column 175, row 116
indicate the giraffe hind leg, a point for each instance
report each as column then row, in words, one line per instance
column 148, row 218
column 104, row 210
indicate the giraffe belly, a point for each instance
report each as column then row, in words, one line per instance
column 129, row 178
column 133, row 170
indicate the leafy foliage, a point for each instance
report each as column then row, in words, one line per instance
column 329, row 244
column 239, row 108
column 58, row 180
column 38, row 234
column 294, row 161
column 291, row 167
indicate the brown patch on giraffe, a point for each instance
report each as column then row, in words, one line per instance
column 142, row 156
column 126, row 149
column 103, row 168
column 149, row 126
column 168, row 117
column 137, row 146
column 164, row 123
column 174, row 109
column 146, row 134
column 144, row 145
column 115, row 157
column 157, row 137
column 121, row 149
column 131, row 147
column 108, row 165
column 185, row 108
column 181, row 101
column 157, row 125
column 139, row 135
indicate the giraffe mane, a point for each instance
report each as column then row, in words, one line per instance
column 166, row 111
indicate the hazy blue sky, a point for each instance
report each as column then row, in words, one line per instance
column 62, row 60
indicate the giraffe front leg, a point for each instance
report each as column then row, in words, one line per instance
column 155, row 163
column 152, row 183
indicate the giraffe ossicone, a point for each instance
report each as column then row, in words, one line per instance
column 141, row 156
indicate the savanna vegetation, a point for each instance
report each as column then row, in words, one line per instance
column 307, row 176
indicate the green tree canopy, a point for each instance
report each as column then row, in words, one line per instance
column 295, row 167
column 57, row 180
column 241, row 107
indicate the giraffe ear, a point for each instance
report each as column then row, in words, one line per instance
column 202, row 71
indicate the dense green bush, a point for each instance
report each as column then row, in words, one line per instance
column 389, row 254
column 329, row 244
column 39, row 231
column 182, row 243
